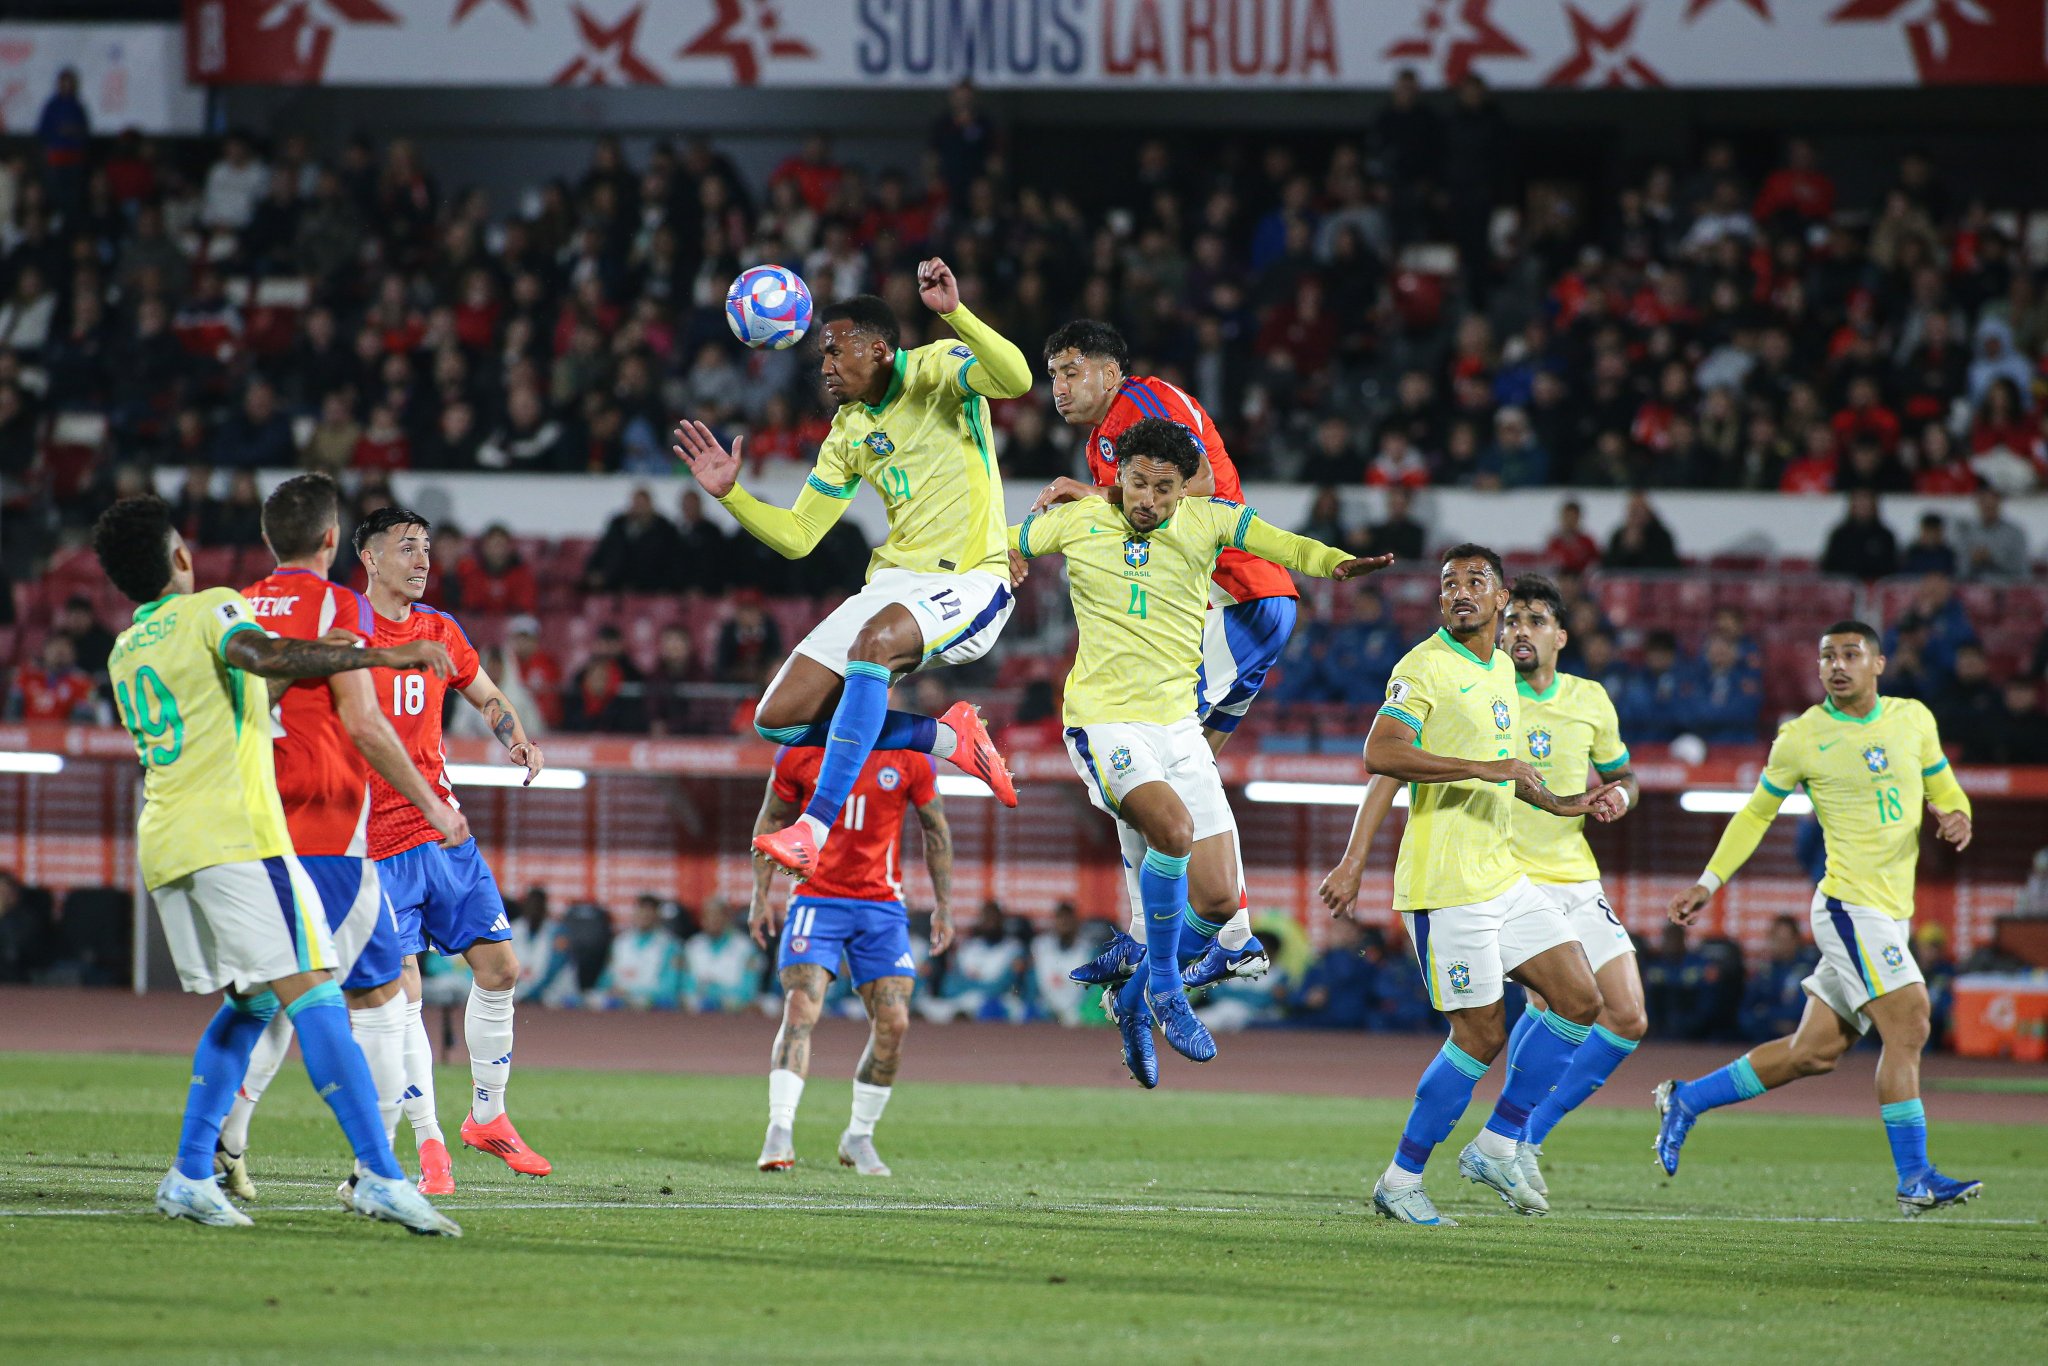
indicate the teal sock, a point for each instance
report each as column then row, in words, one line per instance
column 1196, row 934
column 1735, row 1082
column 1905, row 1127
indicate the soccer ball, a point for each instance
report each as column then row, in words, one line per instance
column 768, row 306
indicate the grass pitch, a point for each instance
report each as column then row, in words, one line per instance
column 1024, row 1224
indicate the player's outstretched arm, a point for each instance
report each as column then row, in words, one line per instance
column 1340, row 888
column 1260, row 537
column 275, row 657
column 485, row 696
column 791, row 532
column 938, row 861
column 998, row 369
column 355, row 701
column 764, row 921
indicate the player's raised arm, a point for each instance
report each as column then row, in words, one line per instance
column 791, row 532
column 1256, row 536
column 997, row 369
column 938, row 861
column 1340, row 887
column 485, row 696
column 275, row 657
column 1042, row 533
column 1746, row 828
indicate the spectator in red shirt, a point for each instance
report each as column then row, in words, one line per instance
column 2001, row 420
column 1569, row 547
column 813, row 170
column 495, row 579
column 1814, row 470
column 1037, row 726
column 1303, row 328
column 1797, row 188
column 1866, row 416
column 749, row 642
column 1397, row 463
column 383, row 444
column 1941, row 468
column 55, row 689
column 537, row 669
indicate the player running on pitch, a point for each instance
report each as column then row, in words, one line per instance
column 1567, row 728
column 322, row 732
column 1138, row 570
column 1252, row 604
column 1473, row 917
column 446, row 898
column 1867, row 761
column 238, row 911
column 851, row 906
column 914, row 425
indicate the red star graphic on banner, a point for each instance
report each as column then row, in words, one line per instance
column 1478, row 36
column 608, row 57
column 1695, row 8
column 311, row 24
column 1604, row 58
column 465, row 8
column 1928, row 23
column 722, row 37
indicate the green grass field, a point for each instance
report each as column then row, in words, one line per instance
column 1030, row 1225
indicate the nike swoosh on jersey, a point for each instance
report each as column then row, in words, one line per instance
column 1828, row 745
column 1468, row 687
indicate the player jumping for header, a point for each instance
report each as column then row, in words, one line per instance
column 1868, row 762
column 1473, row 917
column 914, row 425
column 1252, row 604
column 1138, row 570
column 238, row 911
column 851, row 907
column 446, row 898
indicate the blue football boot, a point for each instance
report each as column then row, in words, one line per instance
column 1127, row 1010
column 1248, row 960
column 1933, row 1191
column 1183, row 1028
column 1114, row 965
column 1675, row 1122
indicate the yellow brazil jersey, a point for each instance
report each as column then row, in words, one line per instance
column 1458, row 849
column 1140, row 601
column 202, row 731
column 925, row 450
column 1561, row 730
column 1867, row 778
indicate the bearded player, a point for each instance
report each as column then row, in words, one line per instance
column 914, row 424
column 445, row 899
column 852, row 906
column 1868, row 762
column 326, row 736
column 1253, row 602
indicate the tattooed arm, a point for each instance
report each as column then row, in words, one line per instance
column 484, row 695
column 764, row 921
column 938, row 861
column 275, row 657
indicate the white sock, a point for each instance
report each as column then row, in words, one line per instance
column 487, row 1029
column 946, row 743
column 1133, row 846
column 381, row 1032
column 1236, row 931
column 868, row 1104
column 1399, row 1177
column 268, row 1056
column 785, row 1092
column 1498, row 1146
column 819, row 830
column 418, row 1101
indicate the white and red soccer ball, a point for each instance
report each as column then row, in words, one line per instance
column 768, row 307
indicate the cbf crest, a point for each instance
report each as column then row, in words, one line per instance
column 1501, row 719
column 1539, row 744
column 1875, row 760
column 1137, row 552
column 1894, row 956
column 1120, row 759
column 1460, row 974
column 880, row 444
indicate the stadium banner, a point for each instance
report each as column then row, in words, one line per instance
column 129, row 76
column 1112, row 44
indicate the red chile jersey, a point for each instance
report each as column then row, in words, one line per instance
column 860, row 861
column 412, row 699
column 323, row 780
column 1241, row 577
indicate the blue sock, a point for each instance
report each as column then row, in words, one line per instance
column 1163, row 892
column 900, row 730
column 1196, row 935
column 335, row 1063
column 218, row 1066
column 854, row 728
column 1546, row 1053
column 1591, row 1066
column 1735, row 1082
column 1905, row 1125
column 1530, row 1017
column 1440, row 1098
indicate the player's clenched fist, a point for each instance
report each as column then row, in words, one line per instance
column 1687, row 905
